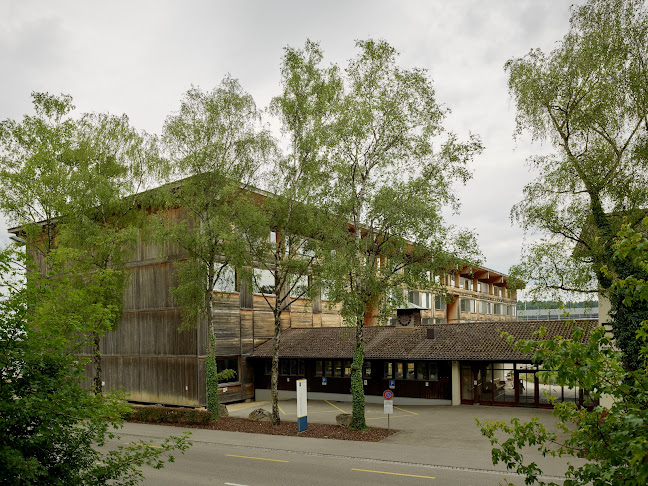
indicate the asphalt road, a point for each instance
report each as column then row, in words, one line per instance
column 215, row 464
column 234, row 459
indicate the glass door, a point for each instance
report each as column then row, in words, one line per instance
column 526, row 389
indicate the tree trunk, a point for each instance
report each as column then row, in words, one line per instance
column 274, row 378
column 358, row 421
column 211, row 368
column 96, row 361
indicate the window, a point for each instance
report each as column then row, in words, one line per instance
column 485, row 307
column 319, row 368
column 465, row 283
column 273, row 237
column 399, row 370
column 300, row 287
column 421, row 371
column 337, row 368
column 425, row 300
column 226, row 278
column 229, row 364
column 389, row 370
column 433, row 372
column 410, row 371
column 419, row 299
column 439, row 302
column 467, row 305
column 264, row 281
column 294, row 367
column 366, row 369
column 328, row 368
column 346, row 369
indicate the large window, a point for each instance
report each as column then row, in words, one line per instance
column 439, row 302
column 467, row 305
column 335, row 368
column 420, row 299
column 300, row 286
column 264, row 281
column 228, row 364
column 291, row 367
column 226, row 278
column 411, row 370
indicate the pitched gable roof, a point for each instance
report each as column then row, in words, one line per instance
column 462, row 341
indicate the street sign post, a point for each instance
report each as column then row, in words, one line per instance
column 302, row 406
column 388, row 405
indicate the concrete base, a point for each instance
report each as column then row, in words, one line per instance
column 264, row 395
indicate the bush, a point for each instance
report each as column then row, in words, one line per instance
column 169, row 415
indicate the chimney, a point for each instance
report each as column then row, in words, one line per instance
column 431, row 333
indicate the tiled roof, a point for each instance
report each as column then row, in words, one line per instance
column 462, row 341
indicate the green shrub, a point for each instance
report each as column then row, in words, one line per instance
column 168, row 415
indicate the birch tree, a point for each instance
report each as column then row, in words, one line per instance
column 390, row 184
column 216, row 142
column 291, row 214
column 73, row 190
column 589, row 99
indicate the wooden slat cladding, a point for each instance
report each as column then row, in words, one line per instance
column 246, row 297
column 331, row 320
column 263, row 324
column 153, row 379
column 260, row 302
column 149, row 287
column 226, row 300
column 247, row 331
column 301, row 319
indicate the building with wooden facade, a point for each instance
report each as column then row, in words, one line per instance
column 153, row 361
column 445, row 364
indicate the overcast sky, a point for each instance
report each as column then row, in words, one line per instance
column 138, row 57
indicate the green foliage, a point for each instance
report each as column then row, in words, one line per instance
column 614, row 440
column 166, row 415
column 294, row 210
column 588, row 99
column 389, row 185
column 215, row 140
column 53, row 428
column 629, row 292
column 211, row 377
column 357, row 391
column 73, row 192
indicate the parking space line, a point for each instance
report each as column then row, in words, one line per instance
column 394, row 474
column 384, row 417
column 413, row 413
column 257, row 458
column 343, row 411
column 281, row 410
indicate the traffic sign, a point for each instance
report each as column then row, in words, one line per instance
column 388, row 406
column 388, row 394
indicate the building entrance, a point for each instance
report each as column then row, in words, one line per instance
column 514, row 384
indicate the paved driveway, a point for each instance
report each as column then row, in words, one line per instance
column 439, row 426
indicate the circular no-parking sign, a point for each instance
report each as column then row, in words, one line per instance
column 388, row 394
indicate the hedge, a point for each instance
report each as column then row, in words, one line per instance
column 168, row 415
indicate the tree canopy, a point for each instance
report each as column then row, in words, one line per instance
column 589, row 99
